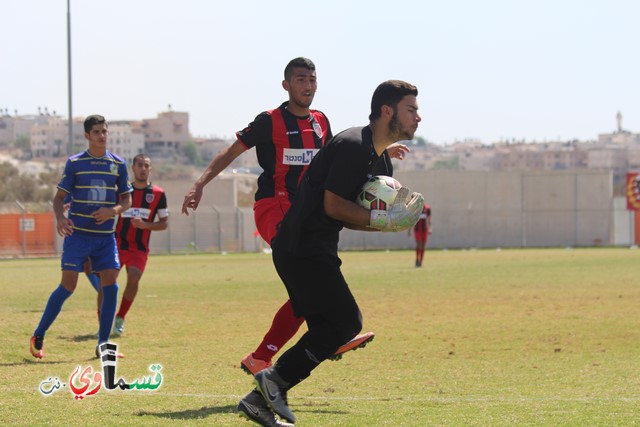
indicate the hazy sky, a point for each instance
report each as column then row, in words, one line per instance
column 492, row 69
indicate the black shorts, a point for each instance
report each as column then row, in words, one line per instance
column 315, row 283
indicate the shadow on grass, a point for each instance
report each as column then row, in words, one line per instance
column 191, row 414
column 80, row 338
column 315, row 408
column 206, row 411
column 26, row 361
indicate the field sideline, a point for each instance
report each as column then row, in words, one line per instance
column 474, row 338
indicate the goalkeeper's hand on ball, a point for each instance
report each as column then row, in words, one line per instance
column 404, row 213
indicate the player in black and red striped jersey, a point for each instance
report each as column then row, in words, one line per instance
column 286, row 139
column 134, row 230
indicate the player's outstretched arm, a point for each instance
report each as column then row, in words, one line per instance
column 217, row 165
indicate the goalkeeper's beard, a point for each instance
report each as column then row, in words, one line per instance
column 396, row 131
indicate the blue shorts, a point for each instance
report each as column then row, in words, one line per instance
column 103, row 252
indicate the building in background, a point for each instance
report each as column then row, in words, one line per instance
column 16, row 128
column 50, row 138
column 123, row 141
column 165, row 135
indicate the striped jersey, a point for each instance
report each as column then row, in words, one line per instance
column 285, row 145
column 146, row 203
column 94, row 183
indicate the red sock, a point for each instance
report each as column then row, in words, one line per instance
column 284, row 327
column 125, row 305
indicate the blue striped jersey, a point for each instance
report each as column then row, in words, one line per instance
column 94, row 183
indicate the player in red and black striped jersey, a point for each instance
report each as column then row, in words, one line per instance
column 286, row 139
column 134, row 230
column 421, row 232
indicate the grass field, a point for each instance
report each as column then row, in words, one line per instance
column 474, row 338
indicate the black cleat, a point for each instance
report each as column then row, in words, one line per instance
column 253, row 407
column 272, row 388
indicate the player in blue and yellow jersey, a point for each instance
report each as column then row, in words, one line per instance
column 100, row 190
column 93, row 278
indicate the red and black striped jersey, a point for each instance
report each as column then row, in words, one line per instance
column 285, row 145
column 146, row 203
column 421, row 225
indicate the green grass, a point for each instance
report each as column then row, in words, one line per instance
column 474, row 338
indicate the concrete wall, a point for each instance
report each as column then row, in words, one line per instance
column 469, row 210
column 507, row 209
column 624, row 224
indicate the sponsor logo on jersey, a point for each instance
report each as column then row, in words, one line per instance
column 136, row 213
column 298, row 156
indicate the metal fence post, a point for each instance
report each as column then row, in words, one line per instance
column 523, row 212
column 23, row 228
column 240, row 228
column 576, row 218
column 195, row 232
column 218, row 227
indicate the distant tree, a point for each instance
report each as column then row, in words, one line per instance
column 7, row 172
column 25, row 187
column 191, row 152
column 50, row 178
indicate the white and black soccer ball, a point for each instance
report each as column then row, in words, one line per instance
column 378, row 193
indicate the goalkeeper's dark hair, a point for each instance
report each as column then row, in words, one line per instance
column 389, row 93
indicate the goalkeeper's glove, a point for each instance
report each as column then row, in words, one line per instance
column 403, row 213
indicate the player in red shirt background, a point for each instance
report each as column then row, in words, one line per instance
column 421, row 232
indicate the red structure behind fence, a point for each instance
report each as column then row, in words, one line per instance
column 27, row 234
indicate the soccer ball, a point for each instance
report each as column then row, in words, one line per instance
column 378, row 193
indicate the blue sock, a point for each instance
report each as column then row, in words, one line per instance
column 107, row 311
column 94, row 280
column 51, row 311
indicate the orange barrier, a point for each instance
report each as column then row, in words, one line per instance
column 36, row 229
